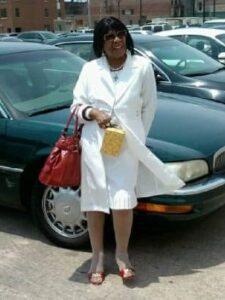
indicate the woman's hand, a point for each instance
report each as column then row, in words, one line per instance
column 100, row 117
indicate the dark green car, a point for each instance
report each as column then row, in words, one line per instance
column 36, row 83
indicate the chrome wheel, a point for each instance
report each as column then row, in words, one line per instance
column 61, row 209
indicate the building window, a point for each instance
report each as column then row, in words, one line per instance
column 3, row 13
column 200, row 6
column 17, row 12
column 46, row 12
column 127, row 12
column 47, row 27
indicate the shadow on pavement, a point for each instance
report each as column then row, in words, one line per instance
column 156, row 249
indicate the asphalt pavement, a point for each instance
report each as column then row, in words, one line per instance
column 183, row 263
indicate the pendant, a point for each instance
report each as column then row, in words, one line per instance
column 115, row 77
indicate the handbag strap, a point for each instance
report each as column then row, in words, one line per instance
column 76, row 127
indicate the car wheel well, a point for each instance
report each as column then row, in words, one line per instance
column 29, row 177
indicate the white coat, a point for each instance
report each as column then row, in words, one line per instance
column 134, row 101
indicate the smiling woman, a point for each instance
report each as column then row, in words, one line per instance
column 116, row 99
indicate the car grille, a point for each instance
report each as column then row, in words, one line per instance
column 219, row 160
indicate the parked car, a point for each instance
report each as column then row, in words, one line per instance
column 156, row 27
column 10, row 39
column 208, row 40
column 36, row 82
column 8, row 34
column 179, row 68
column 213, row 23
column 37, row 36
column 140, row 31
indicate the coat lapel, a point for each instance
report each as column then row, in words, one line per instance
column 126, row 77
column 118, row 89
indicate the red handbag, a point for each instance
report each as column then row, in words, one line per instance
column 62, row 167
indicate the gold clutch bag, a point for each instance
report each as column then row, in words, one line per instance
column 112, row 141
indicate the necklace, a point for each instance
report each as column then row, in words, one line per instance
column 115, row 71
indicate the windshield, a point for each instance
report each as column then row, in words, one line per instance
column 49, row 35
column 212, row 24
column 221, row 37
column 181, row 58
column 39, row 80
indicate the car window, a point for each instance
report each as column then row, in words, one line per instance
column 203, row 44
column 157, row 28
column 35, row 81
column 212, row 24
column 49, row 35
column 180, row 57
column 221, row 37
column 179, row 38
column 147, row 27
column 37, row 35
column 167, row 27
column 27, row 35
column 84, row 50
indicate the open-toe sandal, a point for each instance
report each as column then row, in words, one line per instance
column 127, row 273
column 96, row 278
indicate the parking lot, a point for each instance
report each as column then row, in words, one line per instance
column 186, row 263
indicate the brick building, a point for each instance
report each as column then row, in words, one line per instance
column 129, row 11
column 21, row 15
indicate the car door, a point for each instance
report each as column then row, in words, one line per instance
column 9, row 175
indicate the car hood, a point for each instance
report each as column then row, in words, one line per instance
column 184, row 127
column 188, row 126
column 214, row 78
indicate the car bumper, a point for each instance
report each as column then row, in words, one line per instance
column 202, row 197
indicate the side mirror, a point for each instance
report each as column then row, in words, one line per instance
column 158, row 76
column 221, row 57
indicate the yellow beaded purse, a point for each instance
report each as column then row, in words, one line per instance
column 113, row 141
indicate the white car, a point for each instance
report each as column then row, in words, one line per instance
column 208, row 40
column 140, row 31
column 156, row 27
column 215, row 23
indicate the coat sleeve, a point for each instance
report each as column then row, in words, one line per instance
column 80, row 94
column 149, row 95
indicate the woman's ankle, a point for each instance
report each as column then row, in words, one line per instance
column 122, row 260
column 97, row 262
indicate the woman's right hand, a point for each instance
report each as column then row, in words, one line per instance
column 102, row 118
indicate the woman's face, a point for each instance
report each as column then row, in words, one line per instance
column 115, row 44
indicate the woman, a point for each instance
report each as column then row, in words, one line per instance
column 118, row 87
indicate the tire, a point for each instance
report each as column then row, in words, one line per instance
column 56, row 211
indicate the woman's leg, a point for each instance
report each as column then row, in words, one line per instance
column 96, row 231
column 122, row 223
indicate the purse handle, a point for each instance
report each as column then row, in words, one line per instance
column 76, row 127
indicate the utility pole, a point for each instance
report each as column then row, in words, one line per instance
column 89, row 12
column 118, row 6
column 203, row 11
column 214, row 8
column 140, row 21
column 193, row 8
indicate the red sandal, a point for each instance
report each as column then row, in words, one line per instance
column 127, row 274
column 96, row 278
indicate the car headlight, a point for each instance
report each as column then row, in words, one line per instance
column 189, row 170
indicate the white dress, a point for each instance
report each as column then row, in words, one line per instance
column 116, row 182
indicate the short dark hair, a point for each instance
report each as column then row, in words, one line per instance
column 104, row 26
